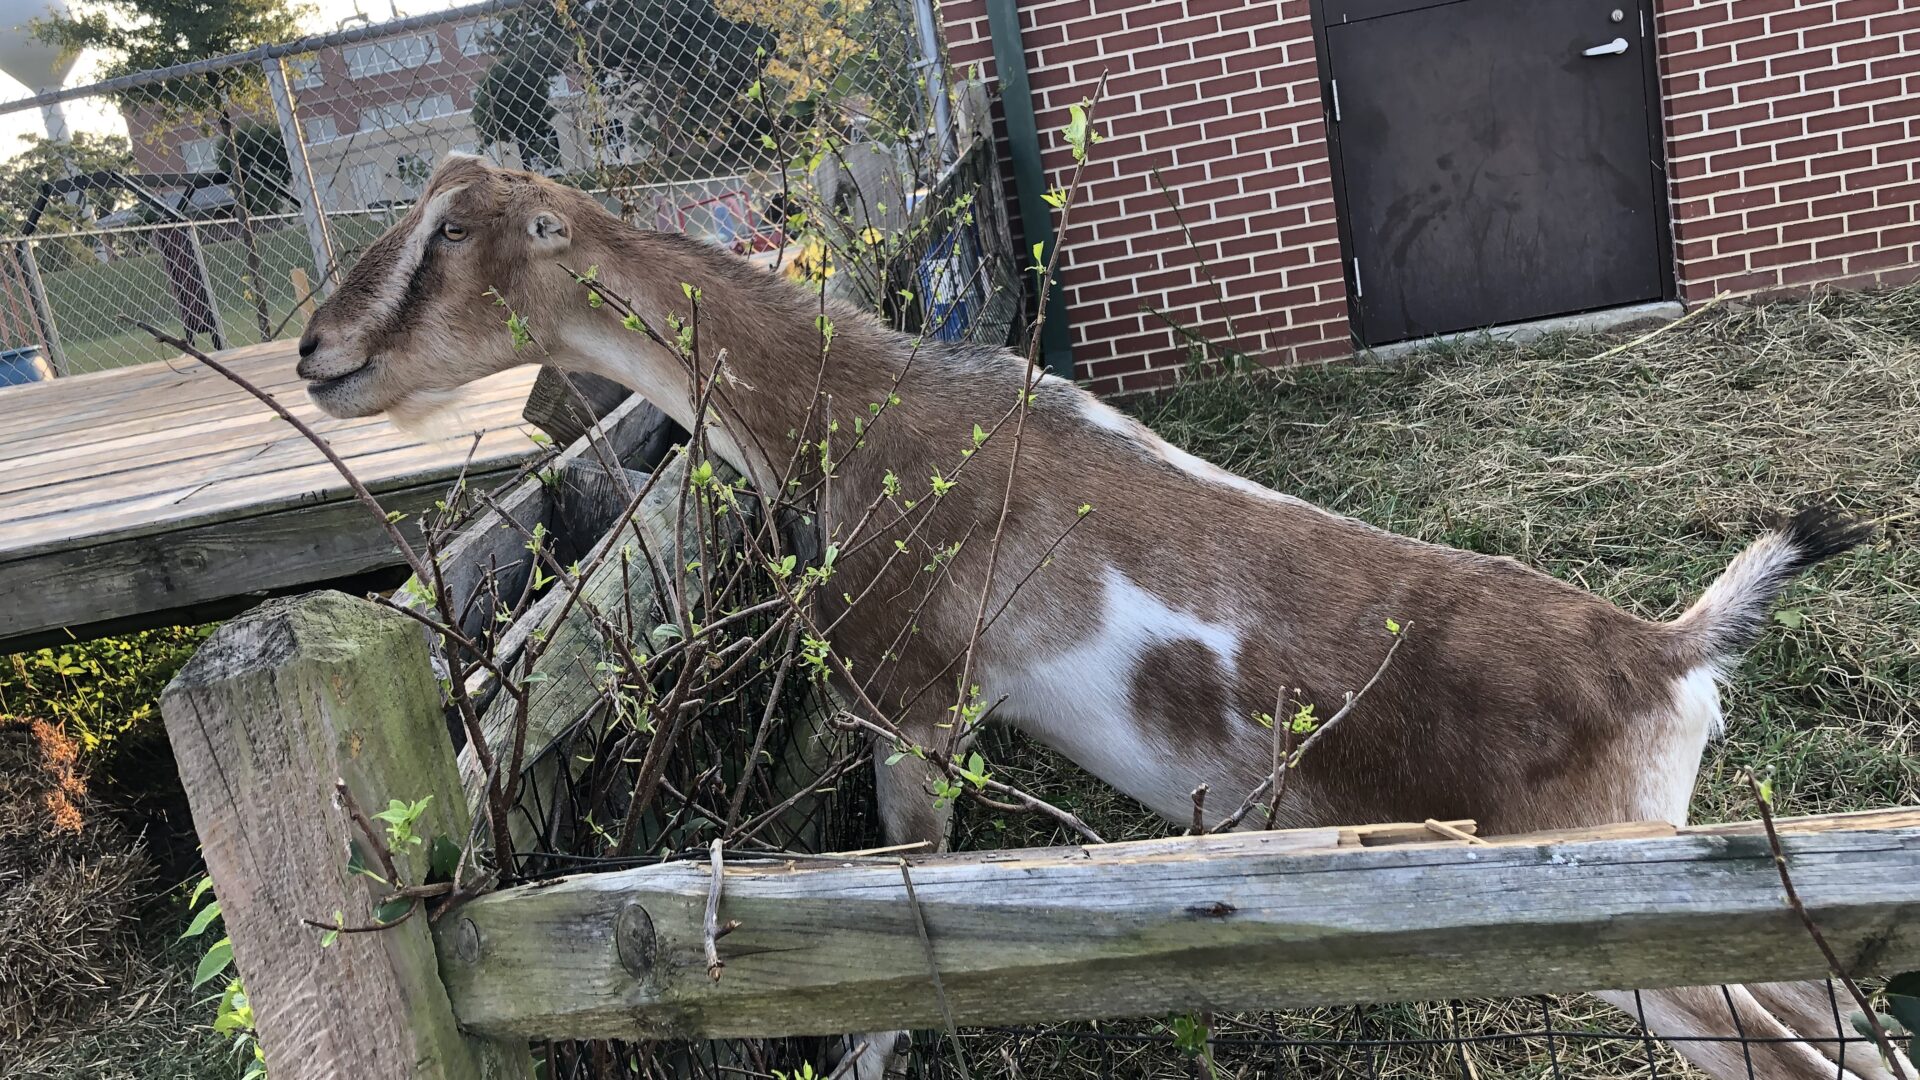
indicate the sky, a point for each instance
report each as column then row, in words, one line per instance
column 91, row 116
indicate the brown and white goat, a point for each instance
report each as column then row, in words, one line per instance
column 1165, row 623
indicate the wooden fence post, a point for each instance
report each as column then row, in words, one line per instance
column 276, row 706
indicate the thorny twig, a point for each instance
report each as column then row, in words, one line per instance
column 933, row 971
column 713, row 930
column 365, row 825
column 1276, row 780
column 1199, row 826
column 1880, row 1038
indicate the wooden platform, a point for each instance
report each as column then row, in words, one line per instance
column 144, row 494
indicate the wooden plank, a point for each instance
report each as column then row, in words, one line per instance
column 488, row 544
column 255, row 441
column 213, row 561
column 1166, row 926
column 192, row 434
column 1897, row 817
column 311, row 483
column 275, row 707
column 555, row 407
column 560, row 694
column 166, row 398
column 588, row 500
column 62, row 405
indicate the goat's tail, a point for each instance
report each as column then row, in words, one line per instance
column 1729, row 617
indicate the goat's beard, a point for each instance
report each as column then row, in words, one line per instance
column 431, row 415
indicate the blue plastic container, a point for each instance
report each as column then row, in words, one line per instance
column 21, row 366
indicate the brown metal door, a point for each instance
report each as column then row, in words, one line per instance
column 1495, row 160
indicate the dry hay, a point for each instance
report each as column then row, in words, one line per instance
column 70, row 890
column 1635, row 473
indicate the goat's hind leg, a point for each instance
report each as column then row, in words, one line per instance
column 1817, row 1010
column 1728, row 1033
column 908, row 815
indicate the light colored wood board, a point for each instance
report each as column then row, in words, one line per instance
column 167, row 396
column 1893, row 817
column 555, row 407
column 119, row 416
column 1401, row 833
column 82, row 529
column 1619, row 831
column 561, row 695
column 247, row 425
column 302, row 485
column 488, row 544
column 187, row 468
column 61, row 405
column 198, row 565
column 834, row 948
column 277, row 705
column 64, row 394
column 92, row 384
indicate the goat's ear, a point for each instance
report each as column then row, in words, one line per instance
column 549, row 233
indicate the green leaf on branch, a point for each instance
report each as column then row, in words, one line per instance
column 215, row 962
column 392, row 911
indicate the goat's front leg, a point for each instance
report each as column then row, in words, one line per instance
column 907, row 815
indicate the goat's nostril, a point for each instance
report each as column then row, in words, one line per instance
column 309, row 341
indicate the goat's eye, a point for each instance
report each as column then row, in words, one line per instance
column 453, row 232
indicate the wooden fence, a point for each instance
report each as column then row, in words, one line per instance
column 301, row 695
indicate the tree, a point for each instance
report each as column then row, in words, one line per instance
column 680, row 62
column 139, row 35
column 268, row 175
column 44, row 159
column 513, row 104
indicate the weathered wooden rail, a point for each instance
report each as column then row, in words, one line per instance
column 299, row 694
column 1242, row 921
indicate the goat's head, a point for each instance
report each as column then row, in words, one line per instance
column 421, row 313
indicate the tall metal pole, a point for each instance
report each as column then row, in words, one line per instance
column 42, row 310
column 319, row 239
column 219, row 328
column 1029, row 176
column 933, row 64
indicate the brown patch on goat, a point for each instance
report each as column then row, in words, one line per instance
column 1182, row 689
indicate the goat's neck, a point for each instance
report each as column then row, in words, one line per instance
column 781, row 375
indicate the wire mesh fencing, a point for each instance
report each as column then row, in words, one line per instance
column 812, row 136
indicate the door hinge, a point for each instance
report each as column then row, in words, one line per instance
column 1333, row 86
column 1359, row 290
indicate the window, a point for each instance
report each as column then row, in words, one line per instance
column 304, row 72
column 612, row 135
column 319, row 129
column 369, row 186
column 397, row 54
column 201, row 155
column 412, row 171
column 476, row 38
column 401, row 113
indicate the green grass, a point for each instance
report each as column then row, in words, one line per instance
column 91, row 301
column 1634, row 473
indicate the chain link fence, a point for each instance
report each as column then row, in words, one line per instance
column 811, row 135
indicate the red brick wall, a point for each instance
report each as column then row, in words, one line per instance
column 1793, row 129
column 1791, row 140
column 1222, row 98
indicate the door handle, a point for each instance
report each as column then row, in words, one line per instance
column 1612, row 48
